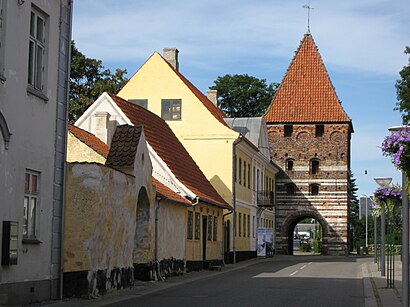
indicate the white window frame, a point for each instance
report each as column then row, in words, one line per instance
column 37, row 50
column 31, row 204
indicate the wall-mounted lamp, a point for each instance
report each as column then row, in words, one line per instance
column 21, row 2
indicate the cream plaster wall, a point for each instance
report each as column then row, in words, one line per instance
column 77, row 151
column 99, row 218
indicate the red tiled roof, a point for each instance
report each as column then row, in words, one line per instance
column 214, row 110
column 90, row 140
column 124, row 145
column 172, row 152
column 306, row 93
column 167, row 193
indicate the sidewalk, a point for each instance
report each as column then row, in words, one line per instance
column 375, row 285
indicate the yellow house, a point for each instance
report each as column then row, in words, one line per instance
column 237, row 167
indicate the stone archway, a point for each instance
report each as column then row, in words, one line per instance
column 290, row 223
column 142, row 241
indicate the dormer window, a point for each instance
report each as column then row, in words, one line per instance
column 288, row 130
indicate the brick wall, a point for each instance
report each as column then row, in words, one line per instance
column 330, row 206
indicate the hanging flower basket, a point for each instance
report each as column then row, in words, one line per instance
column 397, row 147
column 390, row 195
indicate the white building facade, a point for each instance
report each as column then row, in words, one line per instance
column 35, row 40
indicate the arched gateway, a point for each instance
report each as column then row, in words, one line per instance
column 309, row 139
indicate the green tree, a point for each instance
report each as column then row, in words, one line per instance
column 243, row 95
column 403, row 91
column 356, row 225
column 88, row 80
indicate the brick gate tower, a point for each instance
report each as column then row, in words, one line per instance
column 309, row 136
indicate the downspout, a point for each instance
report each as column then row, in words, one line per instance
column 65, row 158
column 236, row 142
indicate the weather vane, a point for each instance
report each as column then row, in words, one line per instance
column 308, row 7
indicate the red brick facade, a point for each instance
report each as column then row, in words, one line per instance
column 329, row 207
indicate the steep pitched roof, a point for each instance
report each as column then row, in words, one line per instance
column 90, row 140
column 172, row 152
column 214, row 110
column 306, row 94
column 124, row 145
column 167, row 193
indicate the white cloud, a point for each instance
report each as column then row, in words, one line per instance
column 364, row 35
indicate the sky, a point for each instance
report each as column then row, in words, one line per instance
column 361, row 43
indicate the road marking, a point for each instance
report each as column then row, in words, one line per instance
column 293, row 273
column 310, row 263
column 303, row 267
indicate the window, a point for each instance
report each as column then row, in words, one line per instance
column 210, row 220
column 140, row 102
column 314, row 167
column 31, row 203
column 290, row 189
column 244, row 225
column 240, row 171
column 240, row 224
column 2, row 33
column 314, row 189
column 253, row 178
column 254, row 226
column 215, row 235
column 197, row 225
column 320, row 129
column 249, row 225
column 36, row 51
column 288, row 129
column 171, row 109
column 289, row 165
column 244, row 173
column 189, row 225
column 249, row 176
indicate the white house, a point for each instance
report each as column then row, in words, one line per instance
column 34, row 66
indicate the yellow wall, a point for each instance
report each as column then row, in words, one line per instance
column 208, row 141
column 77, row 151
column 194, row 246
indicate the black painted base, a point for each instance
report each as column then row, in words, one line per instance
column 240, row 256
column 87, row 284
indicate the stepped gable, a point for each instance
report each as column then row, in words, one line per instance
column 124, row 145
column 214, row 110
column 171, row 151
column 90, row 140
column 306, row 94
column 167, row 193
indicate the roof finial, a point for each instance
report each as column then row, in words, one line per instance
column 308, row 7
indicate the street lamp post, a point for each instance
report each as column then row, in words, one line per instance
column 382, row 182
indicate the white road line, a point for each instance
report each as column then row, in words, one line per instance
column 293, row 273
column 303, row 267
column 310, row 263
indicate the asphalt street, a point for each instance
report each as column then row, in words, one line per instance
column 290, row 281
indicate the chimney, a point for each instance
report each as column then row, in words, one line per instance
column 213, row 96
column 171, row 55
column 100, row 125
